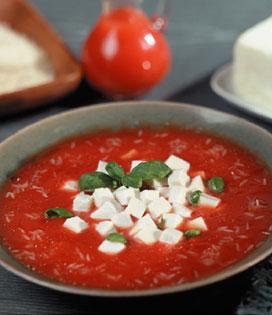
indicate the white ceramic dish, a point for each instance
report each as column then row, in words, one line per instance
column 221, row 84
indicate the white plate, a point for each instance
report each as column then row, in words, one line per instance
column 221, row 83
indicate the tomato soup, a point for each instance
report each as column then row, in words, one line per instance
column 231, row 222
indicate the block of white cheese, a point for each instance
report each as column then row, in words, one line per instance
column 75, row 224
column 71, row 185
column 159, row 206
column 101, row 195
column 105, row 212
column 197, row 223
column 171, row 236
column 252, row 64
column 124, row 194
column 101, row 167
column 82, row 202
column 122, row 220
column 111, row 248
column 104, row 228
column 177, row 163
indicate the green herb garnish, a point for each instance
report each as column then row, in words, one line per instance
column 216, row 184
column 161, row 224
column 151, row 170
column 132, row 181
column 53, row 213
column 116, row 238
column 90, row 181
column 194, row 197
column 192, row 233
column 115, row 170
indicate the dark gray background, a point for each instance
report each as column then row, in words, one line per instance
column 201, row 34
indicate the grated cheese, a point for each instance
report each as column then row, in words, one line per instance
column 22, row 63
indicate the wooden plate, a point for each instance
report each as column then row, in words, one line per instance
column 19, row 15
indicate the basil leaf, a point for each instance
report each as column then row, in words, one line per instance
column 192, row 233
column 90, row 181
column 132, row 181
column 53, row 213
column 116, row 238
column 151, row 170
column 216, row 184
column 115, row 170
column 194, row 197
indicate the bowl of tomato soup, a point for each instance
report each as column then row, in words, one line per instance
column 135, row 198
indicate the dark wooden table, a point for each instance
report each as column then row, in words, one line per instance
column 201, row 35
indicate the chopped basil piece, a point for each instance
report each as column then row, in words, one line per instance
column 151, row 170
column 115, row 170
column 194, row 197
column 132, row 181
column 53, row 213
column 192, row 233
column 90, row 181
column 116, row 238
column 216, row 184
column 161, row 224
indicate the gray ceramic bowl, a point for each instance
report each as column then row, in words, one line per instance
column 36, row 137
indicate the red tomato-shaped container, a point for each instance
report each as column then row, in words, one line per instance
column 125, row 55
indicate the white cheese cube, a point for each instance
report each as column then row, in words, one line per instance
column 159, row 206
column 197, row 223
column 159, row 183
column 135, row 163
column 172, row 220
column 124, row 194
column 177, row 163
column 136, row 208
column 182, row 210
column 171, row 236
column 75, row 224
column 122, row 220
column 178, row 178
column 101, row 195
column 110, row 248
column 164, row 192
column 177, row 194
column 145, row 221
column 105, row 212
column 147, row 235
column 208, row 200
column 101, row 167
column 104, row 228
column 71, row 185
column 252, row 65
column 149, row 195
column 196, row 184
column 82, row 202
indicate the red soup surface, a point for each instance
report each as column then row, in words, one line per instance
column 240, row 223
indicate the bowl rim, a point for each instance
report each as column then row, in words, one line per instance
column 226, row 273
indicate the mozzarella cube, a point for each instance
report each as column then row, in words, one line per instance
column 145, row 221
column 71, row 185
column 105, row 212
column 196, row 184
column 104, row 228
column 122, row 220
column 82, row 202
column 75, row 224
column 101, row 167
column 136, row 208
column 176, row 163
column 171, row 236
column 149, row 195
column 178, row 178
column 135, row 163
column 197, row 223
column 124, row 194
column 177, row 194
column 208, row 201
column 159, row 183
column 172, row 220
column 182, row 210
column 159, row 206
column 164, row 192
column 147, row 235
column 110, row 248
column 101, row 195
